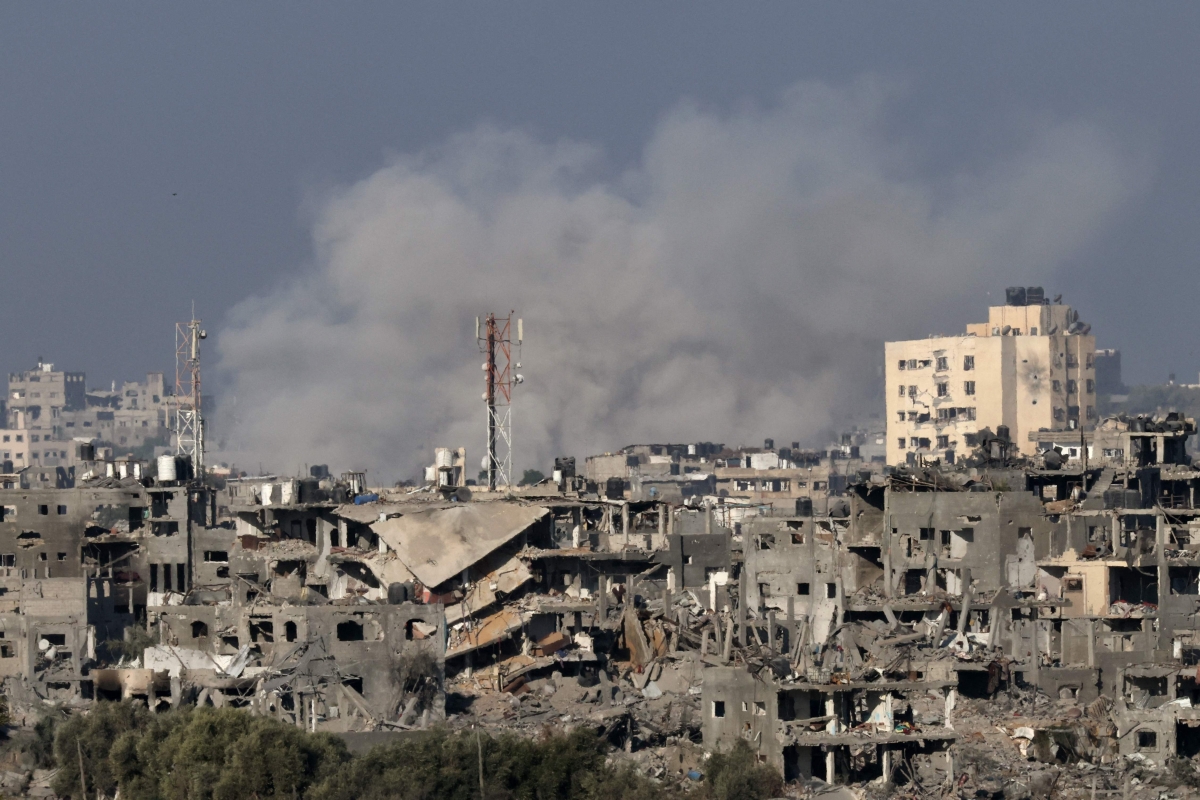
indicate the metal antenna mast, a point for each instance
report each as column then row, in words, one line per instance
column 496, row 342
column 189, row 422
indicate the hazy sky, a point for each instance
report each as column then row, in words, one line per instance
column 158, row 153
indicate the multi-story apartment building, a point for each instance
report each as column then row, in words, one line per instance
column 38, row 397
column 125, row 417
column 49, row 412
column 1030, row 368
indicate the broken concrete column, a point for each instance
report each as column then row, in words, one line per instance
column 893, row 623
column 939, row 632
column 409, row 713
column 997, row 623
column 888, row 579
column 640, row 652
column 1035, row 655
column 741, row 609
column 965, row 612
column 1091, row 643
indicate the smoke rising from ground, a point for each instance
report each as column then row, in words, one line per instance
column 737, row 283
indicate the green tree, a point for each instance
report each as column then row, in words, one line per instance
column 223, row 754
column 228, row 754
column 191, row 754
column 136, row 640
column 444, row 766
column 88, row 737
column 42, row 746
column 737, row 775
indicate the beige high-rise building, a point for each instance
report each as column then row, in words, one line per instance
column 1029, row 367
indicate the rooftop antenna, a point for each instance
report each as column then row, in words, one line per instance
column 189, row 420
column 495, row 338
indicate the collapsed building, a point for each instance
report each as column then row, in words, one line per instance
column 843, row 637
column 743, row 477
column 839, row 643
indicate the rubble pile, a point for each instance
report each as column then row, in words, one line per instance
column 995, row 627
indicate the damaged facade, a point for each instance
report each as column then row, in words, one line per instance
column 850, row 621
column 1029, row 368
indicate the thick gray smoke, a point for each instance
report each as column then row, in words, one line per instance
column 735, row 284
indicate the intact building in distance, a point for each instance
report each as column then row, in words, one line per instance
column 1030, row 368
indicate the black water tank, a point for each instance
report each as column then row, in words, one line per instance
column 399, row 593
column 1015, row 295
column 1035, row 296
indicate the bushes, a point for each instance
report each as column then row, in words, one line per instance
column 210, row 754
column 42, row 746
column 736, row 775
column 445, row 766
column 136, row 640
column 89, row 738
column 191, row 753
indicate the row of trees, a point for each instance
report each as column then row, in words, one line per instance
column 227, row 754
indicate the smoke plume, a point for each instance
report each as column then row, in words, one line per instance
column 737, row 283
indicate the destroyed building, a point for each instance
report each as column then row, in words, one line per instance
column 746, row 477
column 844, row 640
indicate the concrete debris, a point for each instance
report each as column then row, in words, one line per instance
column 999, row 627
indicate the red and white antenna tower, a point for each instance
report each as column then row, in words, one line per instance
column 189, row 421
column 500, row 372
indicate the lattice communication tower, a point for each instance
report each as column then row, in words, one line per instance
column 496, row 341
column 189, row 419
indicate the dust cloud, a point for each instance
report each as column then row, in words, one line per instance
column 736, row 283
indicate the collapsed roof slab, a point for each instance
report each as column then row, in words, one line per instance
column 438, row 544
column 490, row 631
